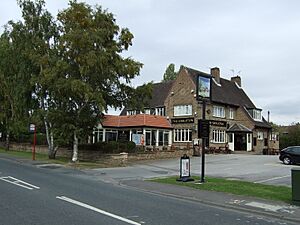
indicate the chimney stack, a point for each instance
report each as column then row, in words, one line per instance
column 215, row 72
column 237, row 79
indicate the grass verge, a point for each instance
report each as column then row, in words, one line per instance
column 277, row 193
column 59, row 160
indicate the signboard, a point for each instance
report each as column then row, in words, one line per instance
column 203, row 128
column 138, row 139
column 182, row 120
column 32, row 127
column 217, row 123
column 185, row 167
column 203, row 87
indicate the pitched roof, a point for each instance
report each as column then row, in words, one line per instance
column 140, row 120
column 238, row 128
column 160, row 92
column 226, row 93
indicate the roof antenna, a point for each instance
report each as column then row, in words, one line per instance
column 232, row 70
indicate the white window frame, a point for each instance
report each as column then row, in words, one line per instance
column 183, row 110
column 219, row 136
column 257, row 115
column 148, row 111
column 231, row 113
column 183, row 135
column 260, row 135
column 160, row 111
column 218, row 111
column 131, row 112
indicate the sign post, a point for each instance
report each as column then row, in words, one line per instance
column 32, row 129
column 203, row 94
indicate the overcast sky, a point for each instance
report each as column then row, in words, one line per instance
column 257, row 39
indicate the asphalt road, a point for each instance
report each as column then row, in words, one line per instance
column 265, row 169
column 38, row 195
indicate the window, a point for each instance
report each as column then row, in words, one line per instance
column 160, row 111
column 183, row 110
column 182, row 135
column 131, row 112
column 260, row 135
column 163, row 137
column 219, row 111
column 231, row 113
column 148, row 111
column 256, row 114
column 98, row 135
column 218, row 136
column 274, row 137
column 111, row 135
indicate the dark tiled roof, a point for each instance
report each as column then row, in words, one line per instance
column 227, row 93
column 140, row 120
column 160, row 92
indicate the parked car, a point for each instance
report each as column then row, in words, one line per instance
column 290, row 155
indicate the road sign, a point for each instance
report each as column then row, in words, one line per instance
column 32, row 127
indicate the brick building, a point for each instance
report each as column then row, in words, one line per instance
column 235, row 122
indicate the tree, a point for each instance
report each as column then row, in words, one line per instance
column 93, row 75
column 170, row 73
column 15, row 93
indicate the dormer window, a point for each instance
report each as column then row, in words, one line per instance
column 131, row 112
column 160, row 111
column 256, row 114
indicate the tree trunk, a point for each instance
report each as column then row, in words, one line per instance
column 75, row 148
column 50, row 140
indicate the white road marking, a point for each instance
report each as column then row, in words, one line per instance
column 20, row 183
column 273, row 178
column 97, row 210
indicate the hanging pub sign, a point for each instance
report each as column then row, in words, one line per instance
column 182, row 120
column 203, row 86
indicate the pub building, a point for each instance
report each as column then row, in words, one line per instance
column 236, row 124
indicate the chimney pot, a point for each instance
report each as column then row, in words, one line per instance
column 215, row 72
column 237, row 79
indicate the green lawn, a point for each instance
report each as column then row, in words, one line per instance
column 59, row 160
column 279, row 193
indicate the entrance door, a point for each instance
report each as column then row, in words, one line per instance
column 240, row 142
column 249, row 142
column 231, row 141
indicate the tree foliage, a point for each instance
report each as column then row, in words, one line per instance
column 68, row 70
column 170, row 73
column 290, row 136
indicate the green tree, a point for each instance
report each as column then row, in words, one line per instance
column 15, row 93
column 170, row 73
column 93, row 74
